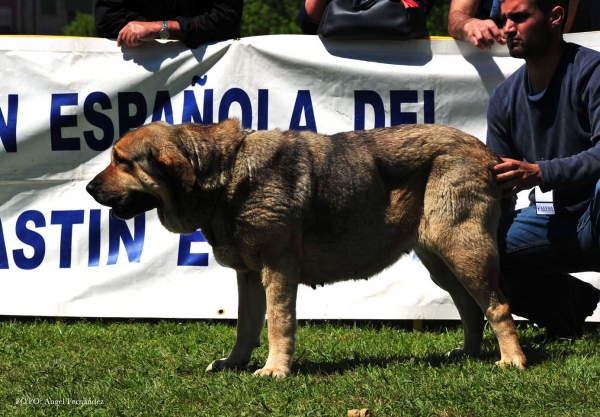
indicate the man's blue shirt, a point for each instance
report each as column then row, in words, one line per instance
column 560, row 131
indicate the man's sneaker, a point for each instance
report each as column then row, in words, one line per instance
column 583, row 302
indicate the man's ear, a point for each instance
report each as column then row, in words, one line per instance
column 556, row 18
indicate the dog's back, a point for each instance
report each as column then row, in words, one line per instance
column 374, row 192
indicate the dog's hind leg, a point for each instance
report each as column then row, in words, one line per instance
column 251, row 319
column 461, row 211
column 470, row 314
column 470, row 252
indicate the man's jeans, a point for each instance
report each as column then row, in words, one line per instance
column 538, row 252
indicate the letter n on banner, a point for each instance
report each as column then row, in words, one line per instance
column 118, row 231
column 8, row 127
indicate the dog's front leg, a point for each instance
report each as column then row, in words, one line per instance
column 251, row 319
column 281, row 286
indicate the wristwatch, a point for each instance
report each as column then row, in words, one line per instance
column 164, row 32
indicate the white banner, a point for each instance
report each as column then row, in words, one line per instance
column 64, row 101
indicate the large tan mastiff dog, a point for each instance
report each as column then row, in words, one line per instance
column 290, row 208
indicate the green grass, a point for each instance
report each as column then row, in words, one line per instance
column 157, row 369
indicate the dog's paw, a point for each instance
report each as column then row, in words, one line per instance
column 460, row 352
column 518, row 361
column 225, row 363
column 276, row 372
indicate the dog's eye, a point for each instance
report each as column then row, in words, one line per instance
column 121, row 161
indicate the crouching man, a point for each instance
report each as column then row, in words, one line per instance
column 544, row 122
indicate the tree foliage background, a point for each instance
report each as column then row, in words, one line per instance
column 437, row 21
column 271, row 17
column 82, row 25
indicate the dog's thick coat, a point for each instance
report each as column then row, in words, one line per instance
column 290, row 208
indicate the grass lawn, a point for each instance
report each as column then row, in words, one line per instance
column 133, row 368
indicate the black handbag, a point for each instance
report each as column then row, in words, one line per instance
column 373, row 19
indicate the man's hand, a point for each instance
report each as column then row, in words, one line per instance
column 513, row 176
column 483, row 33
column 134, row 33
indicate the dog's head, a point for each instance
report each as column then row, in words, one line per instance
column 164, row 167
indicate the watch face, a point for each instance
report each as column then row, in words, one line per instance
column 164, row 32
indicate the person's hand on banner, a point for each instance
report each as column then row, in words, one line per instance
column 134, row 33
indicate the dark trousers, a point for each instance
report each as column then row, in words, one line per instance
column 538, row 252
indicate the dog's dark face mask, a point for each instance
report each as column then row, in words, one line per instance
column 148, row 171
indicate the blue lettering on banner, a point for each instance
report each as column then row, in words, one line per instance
column 191, row 112
column 362, row 98
column 66, row 219
column 58, row 121
column 263, row 110
column 397, row 116
column 196, row 79
column 429, row 106
column 236, row 95
column 185, row 257
column 132, row 109
column 303, row 105
column 31, row 238
column 118, row 231
column 3, row 254
column 99, row 120
column 128, row 121
column 162, row 104
column 95, row 238
column 8, row 127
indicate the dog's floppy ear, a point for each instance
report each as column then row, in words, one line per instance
column 178, row 171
